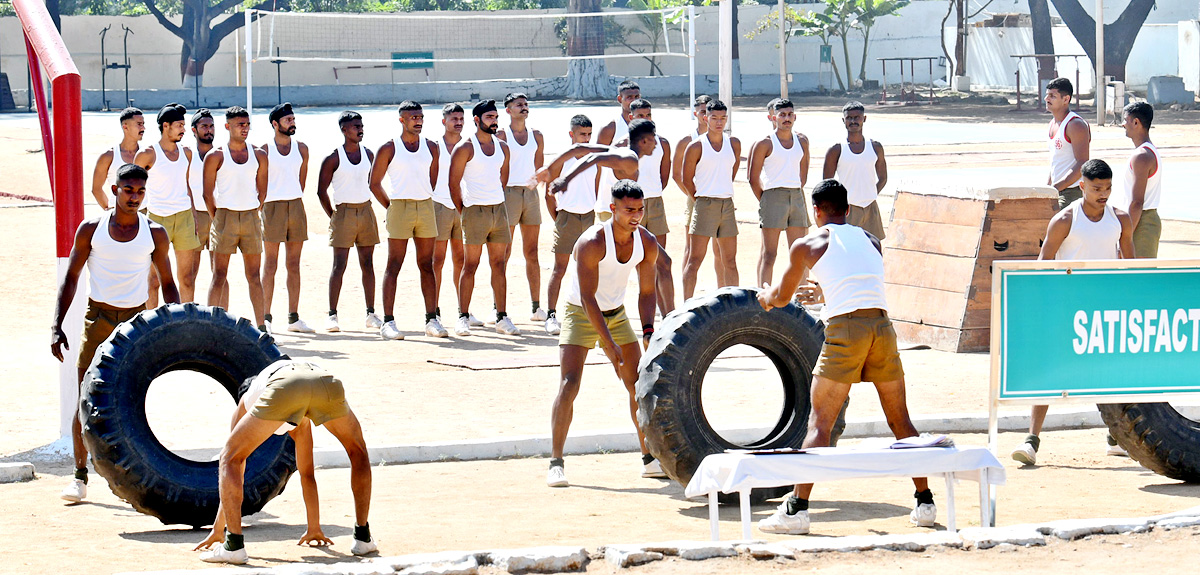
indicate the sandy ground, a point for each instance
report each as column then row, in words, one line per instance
column 404, row 398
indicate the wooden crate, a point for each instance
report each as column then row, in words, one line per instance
column 938, row 256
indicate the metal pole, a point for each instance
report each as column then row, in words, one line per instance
column 128, row 102
column 249, row 83
column 278, row 77
column 1100, row 85
column 692, row 53
column 103, row 70
column 783, row 83
column 725, row 61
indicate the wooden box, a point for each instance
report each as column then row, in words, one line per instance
column 938, row 255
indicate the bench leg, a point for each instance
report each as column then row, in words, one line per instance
column 745, row 505
column 714, row 516
column 950, row 515
column 985, row 504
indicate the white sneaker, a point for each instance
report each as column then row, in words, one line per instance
column 363, row 547
column 539, row 315
column 270, row 328
column 923, row 515
column 475, row 322
column 331, row 324
column 1026, row 454
column 373, row 321
column 552, row 326
column 463, row 326
column 220, row 554
column 781, row 522
column 75, row 492
column 653, row 470
column 506, row 327
column 556, row 477
column 390, row 331
column 433, row 328
column 1118, row 451
column 299, row 326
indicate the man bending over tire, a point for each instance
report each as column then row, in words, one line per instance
column 860, row 343
column 290, row 397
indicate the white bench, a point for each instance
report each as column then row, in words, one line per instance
column 739, row 472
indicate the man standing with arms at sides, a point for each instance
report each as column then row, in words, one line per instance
column 860, row 344
column 709, row 166
column 618, row 129
column 572, row 213
column 410, row 163
column 778, row 171
column 1089, row 228
column 1142, row 189
column 119, row 248
column 605, row 255
column 478, row 166
column 858, row 163
column 449, row 221
column 700, row 112
column 104, row 175
column 654, row 171
column 351, row 218
column 1070, row 142
column 204, row 129
column 235, row 185
column 169, row 199
column 521, row 202
column 284, row 220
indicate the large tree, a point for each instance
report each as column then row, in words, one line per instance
column 201, row 37
column 1043, row 38
column 587, row 79
column 1118, row 36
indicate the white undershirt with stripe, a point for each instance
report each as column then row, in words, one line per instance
column 850, row 272
column 237, row 184
column 650, row 171
column 1090, row 240
column 481, row 177
column 781, row 169
column 441, row 192
column 351, row 182
column 1123, row 196
column 580, row 196
column 714, row 170
column 167, row 184
column 521, row 167
column 613, row 274
column 283, row 173
column 1062, row 155
column 119, row 272
column 857, row 173
column 408, row 171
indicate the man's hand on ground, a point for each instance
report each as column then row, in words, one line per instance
column 213, row 537
column 314, row 537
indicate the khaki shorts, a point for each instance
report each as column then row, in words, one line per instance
column 485, row 225
column 782, row 208
column 181, row 229
column 353, row 225
column 285, row 221
column 1065, row 197
column 714, row 218
column 233, row 230
column 1147, row 234
column 860, row 346
column 577, row 329
column 299, row 390
column 688, row 209
column 203, row 227
column 407, row 219
column 568, row 226
column 449, row 223
column 99, row 321
column 523, row 205
column 655, row 219
column 867, row 218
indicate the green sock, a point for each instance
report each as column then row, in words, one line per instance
column 430, row 316
column 81, row 474
column 267, row 317
column 796, row 505
column 262, row 328
column 362, row 532
column 234, row 541
column 293, row 317
column 536, row 304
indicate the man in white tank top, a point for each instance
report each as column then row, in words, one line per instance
column 235, row 185
column 605, row 255
column 449, row 220
column 700, row 112
column 521, row 201
column 478, row 170
column 204, row 131
column 284, row 219
column 858, row 163
column 352, row 222
column 410, row 163
column 654, row 170
column 618, row 129
column 169, row 199
column 709, row 167
column 133, row 125
column 1142, row 189
column 860, row 343
column 119, row 249
column 777, row 173
column 572, row 213
column 1089, row 228
column 1070, row 142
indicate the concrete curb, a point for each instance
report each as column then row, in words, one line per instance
column 14, row 472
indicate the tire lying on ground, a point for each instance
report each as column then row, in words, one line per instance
column 139, row 469
column 1156, row 436
column 671, row 377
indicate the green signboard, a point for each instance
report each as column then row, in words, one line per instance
column 412, row 60
column 1098, row 330
column 826, row 54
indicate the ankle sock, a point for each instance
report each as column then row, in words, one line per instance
column 262, row 327
column 924, row 497
column 370, row 310
column 647, row 458
column 550, row 313
column 363, row 532
column 234, row 541
column 332, row 312
column 267, row 317
column 387, row 318
column 438, row 311
column 430, row 316
column 293, row 317
column 536, row 304
column 1033, row 440
column 463, row 314
column 557, row 462
column 500, row 315
column 81, row 474
column 796, row 505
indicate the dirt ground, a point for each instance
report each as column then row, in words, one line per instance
column 403, row 398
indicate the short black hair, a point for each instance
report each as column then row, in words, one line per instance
column 347, row 117
column 717, row 106
column 280, row 112
column 830, row 196
column 781, row 103
column 409, row 106
column 129, row 113
column 580, row 121
column 627, row 189
column 640, row 104
column 1142, row 112
column 639, row 128
column 771, row 104
column 513, row 97
column 201, row 114
column 1062, row 85
column 628, row 85
column 131, row 172
column 483, row 107
column 171, row 113
column 236, row 112
column 852, row 106
column 451, row 108
column 702, row 100
column 1096, row 170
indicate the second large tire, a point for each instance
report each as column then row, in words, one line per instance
column 1156, row 436
column 139, row 469
column 671, row 376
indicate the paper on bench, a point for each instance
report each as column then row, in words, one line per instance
column 923, row 440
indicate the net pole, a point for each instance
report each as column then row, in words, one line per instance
column 691, row 54
column 1101, row 85
column 249, row 82
column 783, row 83
column 725, row 59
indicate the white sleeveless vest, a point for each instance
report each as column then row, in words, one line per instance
column 119, row 272
column 614, row 274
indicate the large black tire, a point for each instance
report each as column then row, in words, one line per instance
column 1156, row 436
column 671, row 375
column 139, row 469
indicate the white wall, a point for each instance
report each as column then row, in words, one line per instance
column 1189, row 54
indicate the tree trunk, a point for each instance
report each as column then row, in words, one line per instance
column 862, row 66
column 586, row 79
column 1118, row 36
column 1043, row 39
column 55, row 14
column 960, row 39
